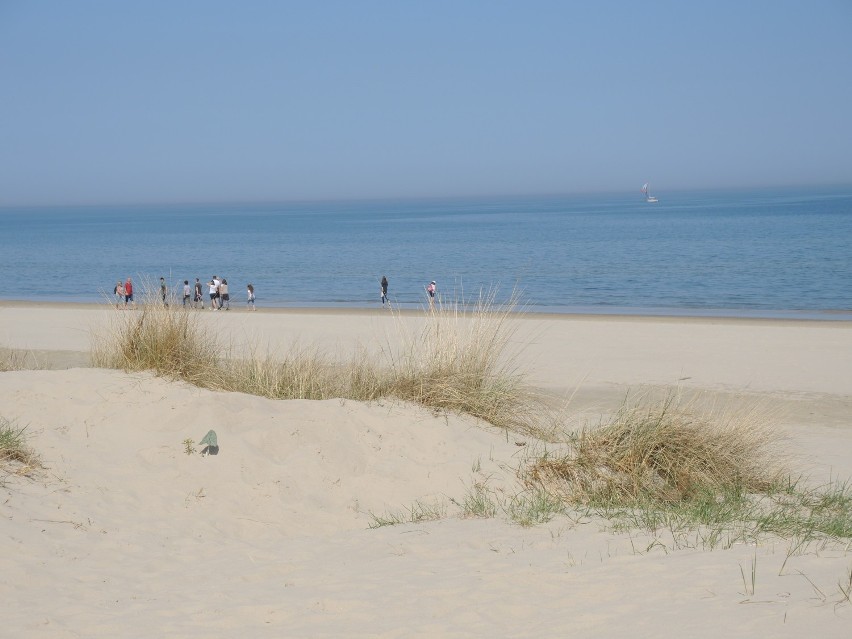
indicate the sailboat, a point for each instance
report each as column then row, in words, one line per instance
column 646, row 189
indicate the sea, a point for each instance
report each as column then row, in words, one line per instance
column 774, row 253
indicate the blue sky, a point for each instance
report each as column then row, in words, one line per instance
column 180, row 101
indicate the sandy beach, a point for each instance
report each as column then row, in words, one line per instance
column 125, row 535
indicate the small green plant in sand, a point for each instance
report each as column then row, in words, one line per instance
column 188, row 446
column 415, row 513
column 533, row 506
column 15, row 455
column 479, row 501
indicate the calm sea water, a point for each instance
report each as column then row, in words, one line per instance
column 762, row 253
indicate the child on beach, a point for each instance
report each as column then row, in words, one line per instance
column 250, row 301
column 119, row 293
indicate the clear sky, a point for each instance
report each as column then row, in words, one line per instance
column 183, row 100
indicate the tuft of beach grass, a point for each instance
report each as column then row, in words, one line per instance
column 665, row 452
column 15, row 454
column 167, row 340
column 706, row 478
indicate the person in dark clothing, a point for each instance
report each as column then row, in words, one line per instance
column 385, row 290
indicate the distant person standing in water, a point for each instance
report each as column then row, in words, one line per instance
column 431, row 288
column 250, row 300
column 384, row 290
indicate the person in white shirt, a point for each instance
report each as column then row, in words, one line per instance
column 214, row 293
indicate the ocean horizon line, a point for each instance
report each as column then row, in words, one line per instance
column 413, row 198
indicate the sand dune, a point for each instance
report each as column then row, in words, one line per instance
column 125, row 535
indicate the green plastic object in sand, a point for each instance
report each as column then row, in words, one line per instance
column 210, row 440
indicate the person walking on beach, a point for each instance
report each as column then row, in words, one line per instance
column 128, row 293
column 186, row 290
column 214, row 293
column 199, row 295
column 431, row 288
column 119, row 293
column 250, row 301
column 224, row 296
column 163, row 291
column 384, row 290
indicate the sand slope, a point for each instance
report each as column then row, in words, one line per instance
column 124, row 535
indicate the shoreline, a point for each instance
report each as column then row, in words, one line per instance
column 774, row 318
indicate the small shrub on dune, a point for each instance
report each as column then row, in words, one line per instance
column 461, row 362
column 165, row 339
column 663, row 453
column 15, row 455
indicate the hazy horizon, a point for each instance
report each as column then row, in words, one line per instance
column 216, row 102
column 634, row 193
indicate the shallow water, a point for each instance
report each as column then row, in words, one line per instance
column 762, row 253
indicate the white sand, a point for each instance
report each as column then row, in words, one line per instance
column 124, row 535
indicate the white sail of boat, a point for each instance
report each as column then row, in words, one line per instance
column 646, row 189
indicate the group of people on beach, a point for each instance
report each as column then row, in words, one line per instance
column 123, row 293
column 220, row 297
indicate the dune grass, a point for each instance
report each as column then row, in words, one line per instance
column 15, row 455
column 17, row 360
column 665, row 452
column 458, row 361
column 164, row 339
column 704, row 478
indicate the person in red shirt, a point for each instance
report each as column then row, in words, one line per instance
column 128, row 292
